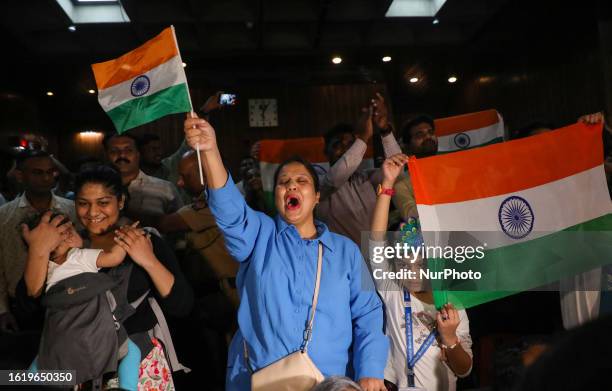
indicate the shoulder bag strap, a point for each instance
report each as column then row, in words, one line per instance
column 309, row 323
column 315, row 300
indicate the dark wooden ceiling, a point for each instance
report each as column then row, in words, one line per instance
column 230, row 42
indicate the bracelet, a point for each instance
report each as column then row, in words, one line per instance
column 450, row 347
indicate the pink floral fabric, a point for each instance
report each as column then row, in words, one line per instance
column 154, row 373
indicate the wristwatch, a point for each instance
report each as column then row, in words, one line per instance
column 380, row 190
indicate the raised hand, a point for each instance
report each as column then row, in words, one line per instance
column 380, row 115
column 211, row 104
column 392, row 167
column 364, row 129
column 199, row 134
column 447, row 321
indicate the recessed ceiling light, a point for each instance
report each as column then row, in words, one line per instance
column 184, row 64
column 414, row 8
column 435, row 21
column 49, row 93
column 337, row 60
column 72, row 28
column 94, row 11
column 386, row 58
column 452, row 79
column 92, row 91
column 414, row 80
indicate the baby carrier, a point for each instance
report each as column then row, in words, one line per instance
column 83, row 323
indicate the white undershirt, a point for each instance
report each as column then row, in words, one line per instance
column 78, row 260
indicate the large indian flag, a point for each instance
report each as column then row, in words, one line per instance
column 145, row 84
column 469, row 130
column 273, row 152
column 541, row 205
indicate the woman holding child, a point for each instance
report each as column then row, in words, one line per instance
column 155, row 276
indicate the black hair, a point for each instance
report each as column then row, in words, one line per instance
column 28, row 154
column 33, row 220
column 103, row 174
column 309, row 167
column 528, row 129
column 146, row 139
column 406, row 130
column 334, row 132
column 109, row 136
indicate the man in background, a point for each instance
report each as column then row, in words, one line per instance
column 150, row 197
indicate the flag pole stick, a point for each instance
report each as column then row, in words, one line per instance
column 192, row 112
column 192, row 115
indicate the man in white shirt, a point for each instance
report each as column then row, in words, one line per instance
column 150, row 197
column 36, row 172
column 348, row 192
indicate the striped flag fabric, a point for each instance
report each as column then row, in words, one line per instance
column 469, row 131
column 145, row 84
column 273, row 152
column 539, row 207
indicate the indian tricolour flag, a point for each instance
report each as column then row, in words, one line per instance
column 541, row 205
column 145, row 84
column 273, row 152
column 469, row 130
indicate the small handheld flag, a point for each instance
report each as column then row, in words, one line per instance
column 144, row 84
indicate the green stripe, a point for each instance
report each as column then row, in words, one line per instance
column 527, row 265
column 140, row 111
column 494, row 141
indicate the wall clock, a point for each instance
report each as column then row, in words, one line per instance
column 263, row 113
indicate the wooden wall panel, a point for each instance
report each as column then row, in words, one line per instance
column 557, row 93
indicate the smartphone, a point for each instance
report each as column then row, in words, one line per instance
column 227, row 99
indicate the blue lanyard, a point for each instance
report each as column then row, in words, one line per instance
column 412, row 358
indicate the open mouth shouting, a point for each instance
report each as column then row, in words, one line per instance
column 292, row 202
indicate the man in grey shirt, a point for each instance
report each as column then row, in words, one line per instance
column 348, row 192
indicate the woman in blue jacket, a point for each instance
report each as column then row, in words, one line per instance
column 278, row 264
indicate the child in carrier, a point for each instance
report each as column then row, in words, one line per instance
column 68, row 267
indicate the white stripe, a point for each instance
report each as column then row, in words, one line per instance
column 556, row 206
column 162, row 76
column 477, row 137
